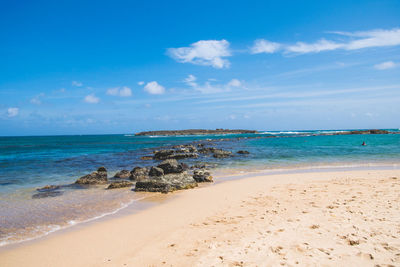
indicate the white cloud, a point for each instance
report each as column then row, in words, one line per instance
column 140, row 83
column 125, row 91
column 191, row 80
column 213, row 88
column 117, row 91
column 92, row 99
column 154, row 88
column 234, row 83
column 321, row 45
column 36, row 100
column 204, row 52
column 264, row 46
column 77, row 84
column 374, row 38
column 359, row 40
column 12, row 112
column 385, row 65
column 113, row 91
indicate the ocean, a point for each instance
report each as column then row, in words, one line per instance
column 27, row 163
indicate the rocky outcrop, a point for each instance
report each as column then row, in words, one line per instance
column 97, row 177
column 180, row 153
column 243, row 152
column 156, row 171
column 219, row 153
column 202, row 175
column 171, row 166
column 124, row 174
column 207, row 150
column 195, row 132
column 138, row 174
column 119, row 184
column 167, row 183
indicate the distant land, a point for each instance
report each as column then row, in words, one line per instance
column 196, row 132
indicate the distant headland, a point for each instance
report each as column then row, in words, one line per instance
column 195, row 132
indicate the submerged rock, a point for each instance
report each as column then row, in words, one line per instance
column 139, row 173
column 243, row 152
column 124, row 174
column 97, row 177
column 48, row 188
column 202, row 175
column 219, row 153
column 167, row 183
column 119, row 184
column 146, row 158
column 45, row 194
column 180, row 153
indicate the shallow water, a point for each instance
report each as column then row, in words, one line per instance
column 30, row 162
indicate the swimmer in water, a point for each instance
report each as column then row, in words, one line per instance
column 363, row 144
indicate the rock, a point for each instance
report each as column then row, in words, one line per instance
column 243, row 152
column 185, row 149
column 219, row 153
column 119, row 184
column 124, row 174
column 171, row 166
column 48, row 188
column 162, row 154
column 202, row 175
column 204, row 165
column 167, row 183
column 183, row 155
column 97, row 177
column 102, row 169
column 139, row 173
column 156, row 171
column 146, row 158
column 207, row 150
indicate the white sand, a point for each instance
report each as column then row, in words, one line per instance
column 347, row 218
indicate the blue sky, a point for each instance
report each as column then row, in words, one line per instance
column 85, row 67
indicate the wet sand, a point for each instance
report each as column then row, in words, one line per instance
column 343, row 218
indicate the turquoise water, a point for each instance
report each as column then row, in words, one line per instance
column 30, row 162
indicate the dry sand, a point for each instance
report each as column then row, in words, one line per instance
column 347, row 218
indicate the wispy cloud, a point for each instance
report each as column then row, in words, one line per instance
column 117, row 91
column 204, row 52
column 76, row 83
column 264, row 46
column 385, row 65
column 355, row 41
column 91, row 99
column 12, row 112
column 154, row 88
column 190, row 80
column 210, row 87
column 36, row 99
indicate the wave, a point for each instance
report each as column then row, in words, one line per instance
column 53, row 227
column 284, row 132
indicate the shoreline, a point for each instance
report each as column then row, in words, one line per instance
column 222, row 176
column 217, row 192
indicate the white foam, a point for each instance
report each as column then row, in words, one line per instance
column 54, row 228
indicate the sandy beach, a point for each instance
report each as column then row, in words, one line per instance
column 341, row 218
